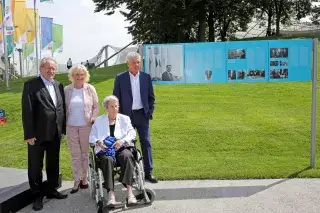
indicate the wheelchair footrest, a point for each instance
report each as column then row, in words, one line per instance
column 117, row 206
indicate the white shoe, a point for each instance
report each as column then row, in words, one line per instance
column 132, row 200
column 112, row 202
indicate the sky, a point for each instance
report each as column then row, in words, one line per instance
column 85, row 32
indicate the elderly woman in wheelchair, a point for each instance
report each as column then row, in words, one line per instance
column 111, row 134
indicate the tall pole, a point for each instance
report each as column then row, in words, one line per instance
column 106, row 55
column 36, row 35
column 21, row 61
column 40, row 36
column 5, row 44
column 314, row 104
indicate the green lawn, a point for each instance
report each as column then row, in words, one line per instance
column 218, row 131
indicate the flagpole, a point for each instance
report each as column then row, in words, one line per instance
column 40, row 37
column 36, row 36
column 5, row 44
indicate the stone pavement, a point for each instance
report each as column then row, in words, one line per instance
column 209, row 196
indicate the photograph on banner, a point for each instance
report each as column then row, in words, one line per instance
column 256, row 74
column 208, row 75
column 164, row 62
column 236, row 54
column 241, row 74
column 232, row 75
column 274, row 63
column 279, row 73
column 279, row 53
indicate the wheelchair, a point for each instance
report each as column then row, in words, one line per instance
column 144, row 195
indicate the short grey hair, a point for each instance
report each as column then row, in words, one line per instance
column 132, row 55
column 45, row 60
column 109, row 98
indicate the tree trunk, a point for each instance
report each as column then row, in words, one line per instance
column 211, row 27
column 224, row 30
column 202, row 24
column 278, row 7
column 269, row 21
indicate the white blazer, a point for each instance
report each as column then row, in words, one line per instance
column 123, row 130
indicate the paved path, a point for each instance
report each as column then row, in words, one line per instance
column 209, row 196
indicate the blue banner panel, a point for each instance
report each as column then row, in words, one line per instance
column 290, row 60
column 205, row 63
column 247, row 61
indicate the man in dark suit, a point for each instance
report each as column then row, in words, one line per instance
column 44, row 124
column 135, row 93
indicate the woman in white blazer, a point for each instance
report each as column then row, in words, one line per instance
column 119, row 126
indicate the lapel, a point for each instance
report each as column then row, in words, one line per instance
column 46, row 93
column 58, row 95
column 129, row 83
column 141, row 84
column 106, row 125
column 117, row 129
column 68, row 95
column 85, row 95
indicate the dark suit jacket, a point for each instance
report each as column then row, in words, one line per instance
column 167, row 76
column 122, row 89
column 40, row 118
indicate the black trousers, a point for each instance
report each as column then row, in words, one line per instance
column 35, row 166
column 125, row 160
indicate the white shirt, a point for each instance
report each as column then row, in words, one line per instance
column 135, row 88
column 50, row 88
column 69, row 63
column 76, row 115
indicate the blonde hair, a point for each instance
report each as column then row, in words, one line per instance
column 76, row 69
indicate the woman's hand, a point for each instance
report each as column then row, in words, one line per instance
column 117, row 145
column 101, row 145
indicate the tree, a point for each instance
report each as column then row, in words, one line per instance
column 286, row 10
column 231, row 16
column 265, row 8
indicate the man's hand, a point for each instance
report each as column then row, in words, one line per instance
column 30, row 141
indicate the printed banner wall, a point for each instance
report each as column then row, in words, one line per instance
column 165, row 62
column 227, row 62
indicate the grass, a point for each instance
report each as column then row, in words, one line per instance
column 217, row 131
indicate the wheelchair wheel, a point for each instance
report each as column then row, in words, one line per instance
column 100, row 207
column 151, row 195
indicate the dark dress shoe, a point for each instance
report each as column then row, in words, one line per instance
column 57, row 195
column 83, row 186
column 151, row 178
column 37, row 204
column 74, row 190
